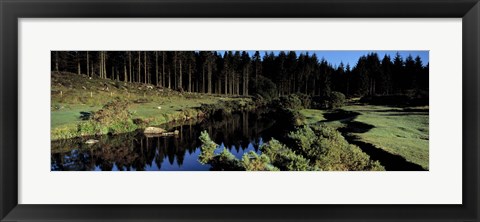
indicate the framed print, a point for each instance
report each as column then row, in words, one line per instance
column 278, row 110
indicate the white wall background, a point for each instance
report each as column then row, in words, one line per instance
column 441, row 185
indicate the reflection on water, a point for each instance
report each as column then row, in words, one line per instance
column 240, row 133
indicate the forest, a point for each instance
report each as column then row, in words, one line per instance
column 238, row 73
column 239, row 110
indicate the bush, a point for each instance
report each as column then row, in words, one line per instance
column 207, row 149
column 305, row 99
column 287, row 102
column 337, row 100
column 226, row 107
column 226, row 161
column 328, row 150
column 253, row 162
column 290, row 118
column 283, row 157
column 113, row 118
column 334, row 100
column 292, row 101
column 321, row 148
column 265, row 88
column 223, row 161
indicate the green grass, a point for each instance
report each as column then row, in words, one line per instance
column 312, row 116
column 69, row 114
column 72, row 94
column 399, row 131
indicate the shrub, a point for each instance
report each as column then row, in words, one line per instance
column 113, row 118
column 223, row 161
column 337, row 100
column 226, row 161
column 287, row 102
column 63, row 133
column 251, row 161
column 207, row 149
column 329, row 150
column 265, row 88
column 305, row 99
column 283, row 157
column 292, row 101
column 334, row 100
column 304, row 138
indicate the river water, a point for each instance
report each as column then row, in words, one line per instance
column 240, row 133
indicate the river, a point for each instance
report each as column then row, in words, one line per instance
column 240, row 133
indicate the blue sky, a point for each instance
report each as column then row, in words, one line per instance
column 334, row 57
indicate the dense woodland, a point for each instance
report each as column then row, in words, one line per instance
column 238, row 73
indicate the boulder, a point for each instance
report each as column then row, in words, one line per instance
column 154, row 130
column 91, row 141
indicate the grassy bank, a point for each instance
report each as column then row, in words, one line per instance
column 73, row 94
column 399, row 131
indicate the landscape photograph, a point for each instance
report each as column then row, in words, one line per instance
column 240, row 110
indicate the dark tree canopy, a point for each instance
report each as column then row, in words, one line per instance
column 238, row 73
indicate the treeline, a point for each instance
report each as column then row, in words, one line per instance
column 238, row 73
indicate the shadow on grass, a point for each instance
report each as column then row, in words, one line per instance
column 391, row 162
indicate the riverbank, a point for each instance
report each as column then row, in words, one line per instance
column 391, row 134
column 76, row 96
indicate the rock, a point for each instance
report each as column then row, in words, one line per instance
column 154, row 130
column 174, row 133
column 91, row 141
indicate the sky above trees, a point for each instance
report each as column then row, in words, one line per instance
column 335, row 57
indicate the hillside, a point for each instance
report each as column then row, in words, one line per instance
column 73, row 94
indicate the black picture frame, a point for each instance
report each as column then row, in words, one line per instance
column 11, row 11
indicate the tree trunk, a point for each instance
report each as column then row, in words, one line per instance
column 139, row 63
column 100, row 65
column 175, row 69
column 256, row 75
column 180, row 76
column 203, row 79
column 156, row 68
column 231, row 83
column 78, row 64
column 163, row 69
column 246, row 83
column 145, row 67
column 130, row 66
column 125, row 73
column 209, row 78
column 88, row 65
column 190, row 77
column 105, row 64
column 313, row 87
column 56, row 61
column 169, row 79
column 226, row 82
